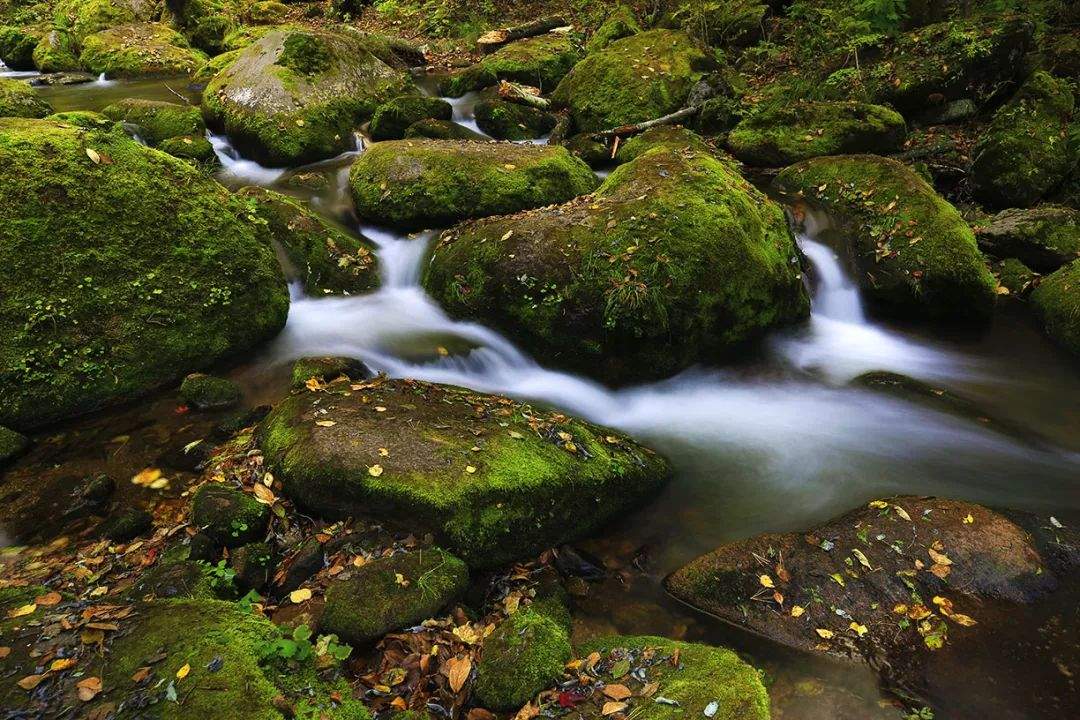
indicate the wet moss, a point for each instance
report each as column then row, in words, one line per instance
column 82, row 118
column 1014, row 276
column 510, row 121
column 441, row 130
column 539, row 62
column 195, row 148
column 157, row 120
column 228, row 516
column 267, row 12
column 139, row 50
column 11, row 445
column 56, row 52
column 620, row 23
column 17, row 46
column 1056, row 302
column 915, row 254
column 206, row 392
column 524, row 655
column 206, row 23
column 423, row 183
column 393, row 118
column 18, row 99
column 669, row 137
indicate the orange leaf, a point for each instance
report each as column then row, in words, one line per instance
column 61, row 664
column 48, row 599
column 610, row 708
column 32, row 681
column 457, row 670
column 617, row 691
column 88, row 688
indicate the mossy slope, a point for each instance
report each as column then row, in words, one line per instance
column 157, row 120
column 17, row 99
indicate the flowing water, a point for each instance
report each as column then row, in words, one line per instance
column 777, row 442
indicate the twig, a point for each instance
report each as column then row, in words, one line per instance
column 636, row 128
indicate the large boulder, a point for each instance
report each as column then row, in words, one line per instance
column 914, row 254
column 207, row 24
column 1043, row 238
column 157, row 120
column 1057, row 305
column 296, row 96
column 784, row 134
column 1026, row 152
column 393, row 118
column 640, row 77
column 511, row 121
column 497, row 481
column 540, row 62
column 139, row 50
column 424, row 183
column 621, row 22
column 18, row 99
column 17, row 46
column 123, row 269
column 674, row 260
column 56, row 52
column 86, row 17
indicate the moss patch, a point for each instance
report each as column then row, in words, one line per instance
column 228, row 516
column 1057, row 304
column 393, row 118
column 56, row 52
column 195, row 148
column 17, row 47
column 139, row 50
column 511, row 121
column 157, row 120
column 525, row 655
column 18, row 99
column 620, row 23
column 206, row 392
column 539, row 62
column 1043, row 238
column 441, row 130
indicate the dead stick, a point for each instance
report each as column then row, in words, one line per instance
column 521, row 94
column 491, row 40
column 636, row 128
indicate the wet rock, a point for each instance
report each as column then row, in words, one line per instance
column 1026, row 152
column 127, row 524
column 782, row 135
column 253, row 565
column 915, row 254
column 213, row 66
column 139, row 50
column 402, row 449
column 509, row 121
column 63, row 79
column 1057, row 305
column 140, row 294
column 194, row 148
column 325, row 369
column 206, row 392
column 951, row 112
column 328, row 258
column 1014, row 276
column 573, row 562
column 18, row 99
column 621, row 22
column 12, row 444
column 441, row 130
column 424, row 183
column 56, row 52
column 202, row 548
column 393, row 118
column 228, row 427
column 85, row 17
column 17, row 46
column 98, row 489
column 391, row 593
column 675, row 259
column 539, row 62
column 295, row 96
column 589, row 149
column 308, row 560
column 640, row 77
column 1043, row 238
column 524, row 655
column 173, row 578
column 228, row 516
column 157, row 120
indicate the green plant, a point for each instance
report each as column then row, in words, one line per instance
column 297, row 646
column 221, row 577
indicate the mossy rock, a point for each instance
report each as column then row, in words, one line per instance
column 1014, row 276
column 82, row 118
column 706, row 681
column 780, row 135
column 267, row 12
column 139, row 50
column 424, row 183
column 149, row 271
column 126, row 525
column 1026, row 152
column 915, row 255
column 441, row 130
column 213, row 66
column 223, row 647
column 173, row 578
column 86, row 17
column 540, row 62
column 592, row 151
column 206, row 392
column 393, row 118
column 326, row 369
column 56, row 52
column 253, row 565
column 18, row 99
column 326, row 257
column 509, row 121
column 207, row 24
column 621, row 22
column 228, row 516
column 638, row 78
column 1043, row 238
column 296, row 96
column 195, row 148
column 527, row 490
column 12, row 445
column 392, row 593
column 157, row 120
column 17, row 46
column 674, row 260
column 245, row 35
column 1057, row 305
column 668, row 137
column 523, row 656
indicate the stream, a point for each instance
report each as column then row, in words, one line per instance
column 776, row 442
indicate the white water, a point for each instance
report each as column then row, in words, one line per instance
column 235, row 169
column 463, row 111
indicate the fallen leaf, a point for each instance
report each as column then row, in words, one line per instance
column 862, row 558
column 822, row 632
column 797, row 610
column 961, row 619
column 860, row 630
column 766, row 581
column 610, row 708
column 968, row 519
column 61, row 664
column 617, row 691
column 264, row 494
column 93, row 155
column 24, row 610
column 325, row 423
column 457, row 670
column 4, row 651
column 299, row 596
column 183, row 672
column 88, row 688
column 32, row 681
column 141, row 674
column 939, row 570
column 938, row 558
column 375, row 470
column 48, row 599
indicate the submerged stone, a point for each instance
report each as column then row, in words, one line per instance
column 139, row 50
column 157, row 120
column 509, row 121
column 123, row 268
column 468, row 466
column 1043, row 238
column 524, row 655
column 206, row 392
column 1056, row 302
column 393, row 118
column 18, row 99
column 228, row 516
column 425, row 183
column 539, row 62
column 195, row 148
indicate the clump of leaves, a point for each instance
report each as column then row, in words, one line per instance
column 221, row 577
column 298, row 646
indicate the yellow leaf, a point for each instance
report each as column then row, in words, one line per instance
column 938, row 558
column 902, row 512
column 94, row 156
column 862, row 558
column 264, row 494
column 822, row 632
column 470, row 469
column 467, row 634
column 301, row 595
column 61, row 664
column 838, row 578
column 325, row 423
column 383, row 452
column 968, row 520
column 939, row 570
column 457, row 670
column 610, row 708
column 375, row 470
column 879, row 504
column 147, row 476
column 400, row 580
column 961, row 619
column 797, row 610
column 766, row 581
column 183, row 672
column 399, row 703
column 900, row 609
column 860, row 630
column 24, row 610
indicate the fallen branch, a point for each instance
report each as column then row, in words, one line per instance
column 522, row 94
column 493, row 39
column 636, row 128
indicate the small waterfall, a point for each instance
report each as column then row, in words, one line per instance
column 238, row 171
column 463, row 111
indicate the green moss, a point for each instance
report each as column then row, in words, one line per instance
column 206, row 23
column 525, row 654
column 422, row 183
column 529, row 490
column 620, row 23
column 325, row 368
column 640, row 77
column 152, row 271
column 393, row 118
column 18, row 99
column 139, row 50
column 392, row 593
column 228, row 516
column 86, row 17
column 267, row 12
column 190, row 147
column 1044, row 238
column 441, row 130
column 328, row 258
column 207, row 392
column 589, row 149
column 157, row 120
column 510, row 121
column 17, row 47
column 915, row 254
column 667, row 137
column 11, row 444
column 82, row 118
column 1014, row 276
column 1026, row 153
column 243, row 36
column 213, row 66
column 55, row 52
column 304, row 54
column 1056, row 302
column 539, row 62
column 253, row 565
column 780, row 135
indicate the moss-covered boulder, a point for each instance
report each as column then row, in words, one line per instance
column 640, row 77
column 56, row 52
column 126, row 525
column 539, row 62
column 393, row 118
column 174, row 576
column 18, row 99
column 228, row 516
column 1057, row 305
column 441, row 130
column 267, row 12
column 915, row 255
column 621, row 22
column 391, row 593
column 210, row 25
column 323, row 369
column 1043, row 238
column 495, row 479
column 195, row 148
column 88, row 119
column 694, row 680
column 674, row 260
column 784, row 134
column 17, row 46
column 123, row 269
column 424, row 183
column 253, row 565
column 511, row 121
column 157, row 120
column 524, row 655
column 213, row 66
column 139, row 50
column 1026, row 152
column 324, row 255
column 206, row 392
column 229, row 666
column 296, row 96
column 86, row 17
column 11, row 445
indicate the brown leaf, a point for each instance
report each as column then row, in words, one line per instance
column 48, row 599
column 480, row 714
column 4, row 652
column 527, row 712
column 89, row 688
column 617, row 691
column 32, row 681
column 457, row 670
